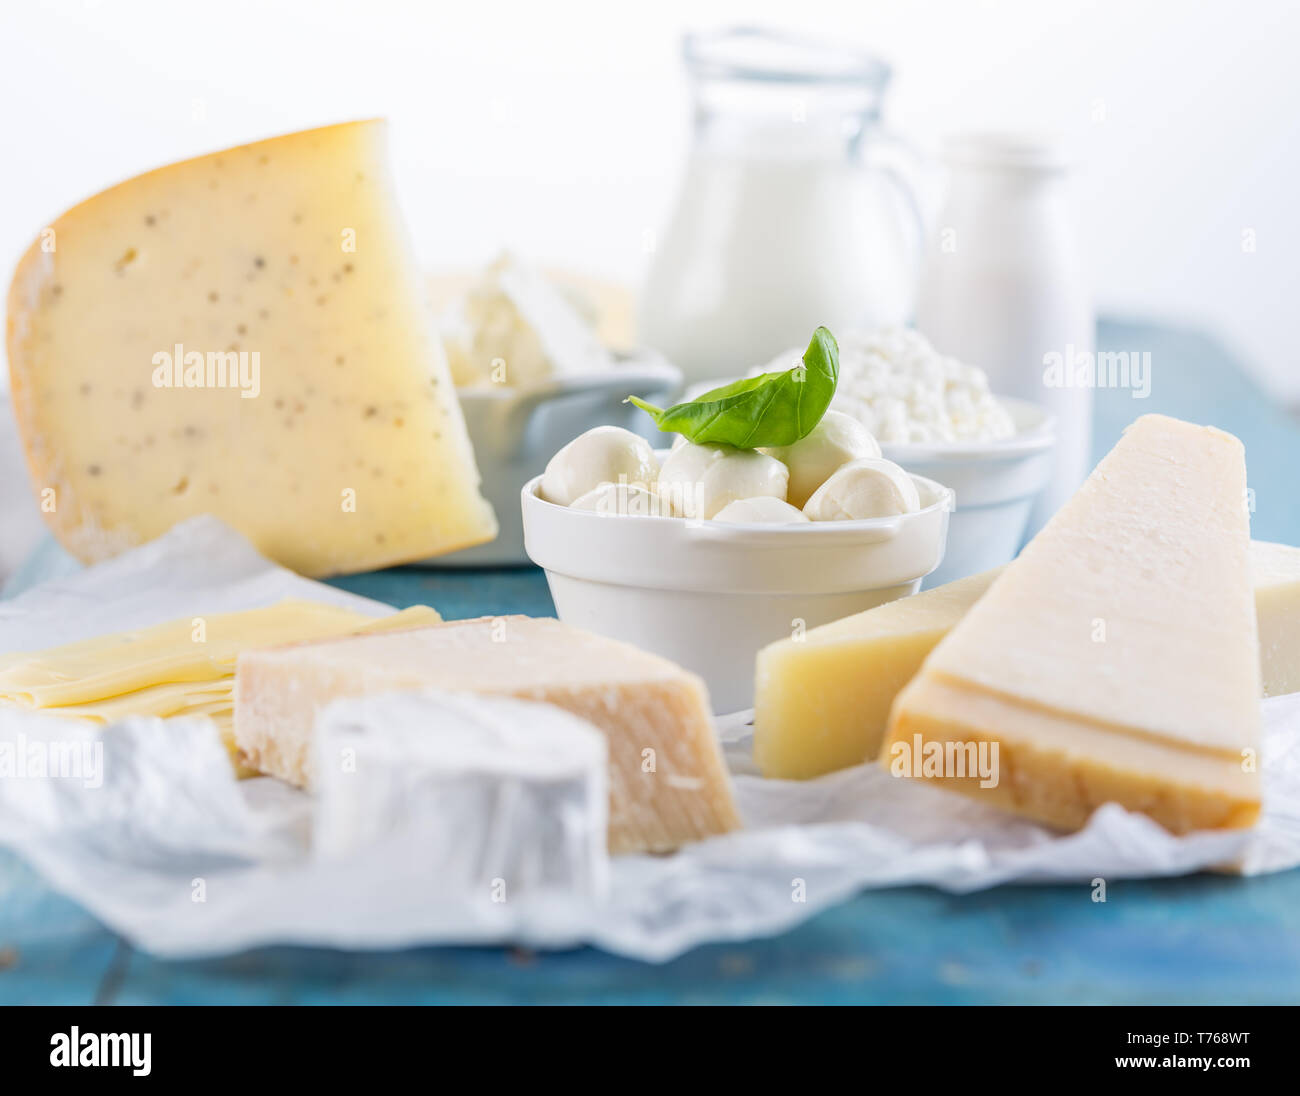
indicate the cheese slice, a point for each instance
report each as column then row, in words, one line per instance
column 318, row 417
column 822, row 700
column 667, row 781
column 1117, row 658
column 192, row 649
column 177, row 668
column 166, row 699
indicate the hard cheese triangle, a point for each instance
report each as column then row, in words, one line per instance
column 1116, row 659
column 823, row 700
column 133, row 324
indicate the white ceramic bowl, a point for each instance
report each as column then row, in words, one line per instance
column 996, row 483
column 516, row 431
column 709, row 594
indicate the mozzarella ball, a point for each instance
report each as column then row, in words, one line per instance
column 870, row 488
column 832, row 443
column 763, row 509
column 623, row 498
column 605, row 454
column 679, row 441
column 699, row 480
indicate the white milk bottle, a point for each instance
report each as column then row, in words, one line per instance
column 1003, row 288
column 792, row 213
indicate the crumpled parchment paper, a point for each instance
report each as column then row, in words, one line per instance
column 168, row 849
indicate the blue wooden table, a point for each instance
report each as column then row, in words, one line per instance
column 1200, row 939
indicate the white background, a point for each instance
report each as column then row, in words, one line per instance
column 558, row 128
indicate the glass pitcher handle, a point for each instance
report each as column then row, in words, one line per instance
column 908, row 171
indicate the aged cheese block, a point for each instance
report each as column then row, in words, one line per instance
column 1116, row 660
column 667, row 780
column 243, row 334
column 822, row 701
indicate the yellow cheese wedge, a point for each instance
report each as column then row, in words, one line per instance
column 1116, row 659
column 243, row 334
column 822, row 701
column 668, row 782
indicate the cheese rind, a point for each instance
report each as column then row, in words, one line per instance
column 344, row 450
column 822, row 701
column 1117, row 658
column 1057, row 769
column 668, row 783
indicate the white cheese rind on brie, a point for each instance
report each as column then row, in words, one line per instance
column 502, row 796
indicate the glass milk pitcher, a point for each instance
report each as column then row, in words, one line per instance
column 794, row 210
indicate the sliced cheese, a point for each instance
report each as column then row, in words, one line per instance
column 668, row 784
column 193, row 649
column 822, row 700
column 177, row 668
column 163, row 700
column 335, row 443
column 1117, row 658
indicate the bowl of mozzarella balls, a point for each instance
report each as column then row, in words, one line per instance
column 767, row 514
column 936, row 416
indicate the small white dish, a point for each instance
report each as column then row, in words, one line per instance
column 515, row 431
column 709, row 594
column 996, row 483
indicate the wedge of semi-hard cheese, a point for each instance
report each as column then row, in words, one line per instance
column 1116, row 660
column 667, row 780
column 822, row 701
column 243, row 334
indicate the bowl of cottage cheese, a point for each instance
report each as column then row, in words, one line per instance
column 936, row 416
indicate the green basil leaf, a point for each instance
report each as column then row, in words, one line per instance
column 756, row 412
